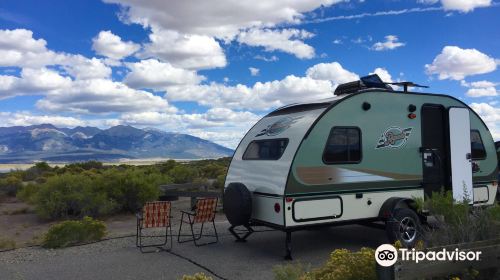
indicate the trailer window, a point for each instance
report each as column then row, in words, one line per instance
column 343, row 146
column 477, row 146
column 269, row 149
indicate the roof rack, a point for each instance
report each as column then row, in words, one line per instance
column 370, row 81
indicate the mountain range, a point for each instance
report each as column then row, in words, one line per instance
column 26, row 144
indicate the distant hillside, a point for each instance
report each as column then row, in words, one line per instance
column 20, row 144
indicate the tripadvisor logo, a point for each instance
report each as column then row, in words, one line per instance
column 394, row 137
column 387, row 255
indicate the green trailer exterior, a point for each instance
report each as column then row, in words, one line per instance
column 393, row 161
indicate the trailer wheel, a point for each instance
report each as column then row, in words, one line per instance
column 237, row 204
column 404, row 225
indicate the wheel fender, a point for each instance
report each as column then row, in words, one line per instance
column 392, row 203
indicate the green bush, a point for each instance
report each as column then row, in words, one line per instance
column 346, row 265
column 183, row 174
column 71, row 195
column 197, row 276
column 459, row 222
column 10, row 185
column 6, row 243
column 69, row 233
column 294, row 271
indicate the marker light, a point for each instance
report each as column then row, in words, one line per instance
column 277, row 207
column 412, row 116
column 288, row 199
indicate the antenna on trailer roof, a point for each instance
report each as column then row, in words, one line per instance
column 405, row 85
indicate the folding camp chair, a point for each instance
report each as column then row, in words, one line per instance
column 204, row 212
column 154, row 215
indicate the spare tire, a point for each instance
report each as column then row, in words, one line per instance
column 237, row 204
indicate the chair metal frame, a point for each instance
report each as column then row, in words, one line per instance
column 140, row 228
column 192, row 220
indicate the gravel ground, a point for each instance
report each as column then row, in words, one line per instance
column 120, row 259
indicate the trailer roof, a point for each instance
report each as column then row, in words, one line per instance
column 306, row 106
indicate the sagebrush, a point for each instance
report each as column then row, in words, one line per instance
column 69, row 233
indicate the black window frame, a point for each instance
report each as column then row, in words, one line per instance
column 482, row 143
column 360, row 146
column 264, row 140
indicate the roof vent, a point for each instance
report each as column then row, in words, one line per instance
column 370, row 81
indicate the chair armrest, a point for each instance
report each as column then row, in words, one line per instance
column 138, row 215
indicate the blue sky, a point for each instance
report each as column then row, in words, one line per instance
column 213, row 68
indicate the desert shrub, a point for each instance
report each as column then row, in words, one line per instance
column 197, row 276
column 131, row 189
column 36, row 171
column 71, row 195
column 346, row 265
column 27, row 192
column 10, row 185
column 7, row 243
column 182, row 174
column 74, row 232
column 459, row 222
column 219, row 182
column 294, row 271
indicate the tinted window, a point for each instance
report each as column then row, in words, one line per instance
column 270, row 149
column 477, row 147
column 343, row 145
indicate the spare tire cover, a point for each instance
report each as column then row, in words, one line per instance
column 237, row 204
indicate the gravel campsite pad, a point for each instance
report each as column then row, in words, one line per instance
column 120, row 259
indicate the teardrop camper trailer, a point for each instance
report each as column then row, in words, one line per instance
column 361, row 156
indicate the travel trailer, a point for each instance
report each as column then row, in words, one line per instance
column 362, row 156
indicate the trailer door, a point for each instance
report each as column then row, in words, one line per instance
column 460, row 153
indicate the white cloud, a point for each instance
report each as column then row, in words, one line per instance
column 84, row 68
column 331, row 71
column 266, row 59
column 480, row 88
column 383, row 74
column 157, row 75
column 183, row 50
column 286, row 40
column 102, row 96
column 27, row 118
column 456, row 63
column 490, row 115
column 110, row 45
column 459, row 5
column 223, row 20
column 482, row 92
column 18, row 48
column 261, row 96
column 254, row 71
column 32, row 81
column 391, row 43
column 337, row 42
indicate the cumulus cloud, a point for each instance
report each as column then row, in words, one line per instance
column 27, row 118
column 184, row 50
column 331, row 71
column 286, row 40
column 223, row 20
column 481, row 88
column 110, row 45
column 101, row 96
column 157, row 75
column 260, row 96
column 254, row 71
column 32, row 81
column 456, row 63
column 391, row 42
column 383, row 74
column 490, row 115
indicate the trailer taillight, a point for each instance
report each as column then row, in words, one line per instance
column 288, row 199
column 277, row 207
column 495, row 183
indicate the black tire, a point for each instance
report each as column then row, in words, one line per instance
column 404, row 225
column 237, row 204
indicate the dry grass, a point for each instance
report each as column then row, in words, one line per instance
column 7, row 243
